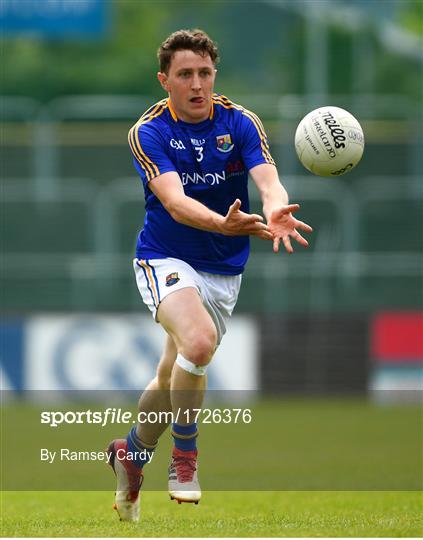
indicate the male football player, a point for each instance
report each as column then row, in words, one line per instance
column 194, row 152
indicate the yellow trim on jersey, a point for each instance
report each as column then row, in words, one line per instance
column 211, row 110
column 228, row 104
column 150, row 280
column 149, row 167
column 151, row 110
column 146, row 163
column 134, row 144
column 172, row 112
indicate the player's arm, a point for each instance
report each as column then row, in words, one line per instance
column 168, row 189
column 277, row 209
column 272, row 192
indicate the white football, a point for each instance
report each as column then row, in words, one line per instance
column 329, row 141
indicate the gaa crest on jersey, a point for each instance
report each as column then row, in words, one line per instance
column 171, row 279
column 224, row 143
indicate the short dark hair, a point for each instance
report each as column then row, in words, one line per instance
column 194, row 40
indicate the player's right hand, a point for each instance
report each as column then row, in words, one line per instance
column 238, row 223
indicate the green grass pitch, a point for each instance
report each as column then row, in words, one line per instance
column 233, row 514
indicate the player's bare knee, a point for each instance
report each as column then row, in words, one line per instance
column 200, row 348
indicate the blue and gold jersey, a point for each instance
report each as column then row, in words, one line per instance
column 212, row 159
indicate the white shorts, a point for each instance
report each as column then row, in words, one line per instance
column 156, row 278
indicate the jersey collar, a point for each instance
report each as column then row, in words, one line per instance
column 173, row 113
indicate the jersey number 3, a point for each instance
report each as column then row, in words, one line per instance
column 199, row 150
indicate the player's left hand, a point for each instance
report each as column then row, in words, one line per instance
column 283, row 225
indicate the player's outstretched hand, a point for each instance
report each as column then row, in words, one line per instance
column 284, row 225
column 238, row 223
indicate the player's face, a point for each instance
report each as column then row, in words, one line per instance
column 190, row 84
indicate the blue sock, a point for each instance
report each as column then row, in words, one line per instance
column 141, row 452
column 185, row 437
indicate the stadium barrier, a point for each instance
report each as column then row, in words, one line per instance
column 83, row 352
column 310, row 354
